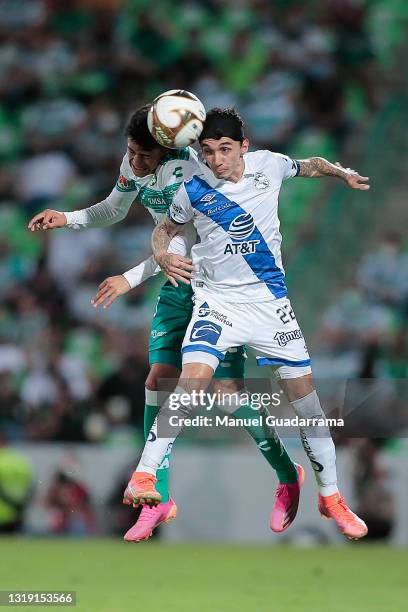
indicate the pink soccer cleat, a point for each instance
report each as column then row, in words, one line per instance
column 286, row 503
column 149, row 519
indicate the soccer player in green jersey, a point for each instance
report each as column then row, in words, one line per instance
column 151, row 174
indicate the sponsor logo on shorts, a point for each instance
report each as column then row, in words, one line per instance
column 260, row 180
column 241, row 248
column 205, row 331
column 284, row 337
column 158, row 334
column 205, row 311
column 241, row 227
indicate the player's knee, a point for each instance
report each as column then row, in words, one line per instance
column 296, row 382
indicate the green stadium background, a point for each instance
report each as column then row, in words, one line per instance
column 324, row 78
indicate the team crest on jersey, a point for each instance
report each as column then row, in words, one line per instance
column 125, row 184
column 261, row 181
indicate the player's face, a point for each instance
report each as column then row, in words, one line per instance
column 224, row 156
column 142, row 161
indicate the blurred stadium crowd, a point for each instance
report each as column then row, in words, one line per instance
column 303, row 74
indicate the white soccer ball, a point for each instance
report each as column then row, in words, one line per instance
column 176, row 118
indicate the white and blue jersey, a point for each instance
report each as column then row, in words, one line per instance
column 240, row 291
column 239, row 253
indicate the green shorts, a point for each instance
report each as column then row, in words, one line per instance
column 170, row 321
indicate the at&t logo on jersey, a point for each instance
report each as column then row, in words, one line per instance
column 241, row 227
column 205, row 331
column 242, row 248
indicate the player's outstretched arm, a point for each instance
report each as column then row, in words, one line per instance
column 175, row 267
column 317, row 167
column 111, row 210
column 110, row 289
column 47, row 219
column 115, row 286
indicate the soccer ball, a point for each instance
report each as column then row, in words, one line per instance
column 176, row 118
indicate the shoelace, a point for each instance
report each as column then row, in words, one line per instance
column 143, row 482
column 340, row 508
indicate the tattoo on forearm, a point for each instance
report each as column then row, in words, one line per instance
column 315, row 167
column 162, row 236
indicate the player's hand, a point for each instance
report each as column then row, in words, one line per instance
column 110, row 289
column 353, row 178
column 47, row 219
column 176, row 268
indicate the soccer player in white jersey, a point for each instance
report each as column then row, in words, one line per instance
column 233, row 203
column 152, row 174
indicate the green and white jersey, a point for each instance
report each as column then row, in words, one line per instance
column 155, row 192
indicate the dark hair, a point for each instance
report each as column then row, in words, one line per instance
column 138, row 131
column 223, row 122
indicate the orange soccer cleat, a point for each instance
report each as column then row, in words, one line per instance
column 334, row 507
column 141, row 490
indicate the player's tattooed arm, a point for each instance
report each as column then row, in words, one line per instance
column 317, row 167
column 175, row 267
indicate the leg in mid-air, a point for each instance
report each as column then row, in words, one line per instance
column 283, row 347
column 319, row 447
column 171, row 317
column 195, row 377
column 290, row 475
column 166, row 510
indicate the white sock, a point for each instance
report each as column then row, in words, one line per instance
column 157, row 447
column 318, row 444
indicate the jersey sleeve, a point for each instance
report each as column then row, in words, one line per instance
column 146, row 269
column 126, row 182
column 112, row 209
column 180, row 210
column 285, row 166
